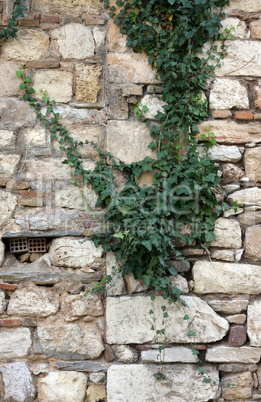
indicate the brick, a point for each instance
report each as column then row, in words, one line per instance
column 37, row 17
column 6, row 286
column 53, row 19
column 109, row 354
column 42, row 64
column 94, row 20
column 236, row 15
column 244, row 116
column 200, row 347
column 237, row 336
column 31, row 194
column 29, row 23
column 143, row 347
column 221, row 114
column 17, row 185
column 10, row 322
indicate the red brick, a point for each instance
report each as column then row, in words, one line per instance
column 42, row 64
column 10, row 322
column 6, row 286
column 108, row 354
column 244, row 116
column 237, row 336
column 143, row 347
column 200, row 347
column 53, row 19
column 28, row 23
column 236, row 15
column 31, row 194
column 37, row 17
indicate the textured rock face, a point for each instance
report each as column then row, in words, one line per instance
column 33, row 301
column 9, row 83
column 227, row 94
column 225, row 354
column 58, row 84
column 224, row 153
column 96, row 393
column 177, row 354
column 131, row 67
column 18, row 382
column 14, row 343
column 128, row 141
column 15, row 114
column 217, row 277
column 66, row 386
column 253, row 323
column 233, row 305
column 74, row 41
column 255, row 28
column 67, row 6
column 252, row 243
column 136, row 382
column 252, row 163
column 18, row 49
column 88, row 83
column 129, row 322
column 79, row 305
column 154, row 106
column 8, row 203
column 125, row 354
column 8, row 165
column 69, row 341
column 249, row 196
column 228, row 234
column 73, row 253
column 72, row 198
column 238, row 27
column 241, row 388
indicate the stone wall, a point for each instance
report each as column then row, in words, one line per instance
column 57, row 344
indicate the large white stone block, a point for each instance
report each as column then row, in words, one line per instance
column 253, row 323
column 228, row 233
column 227, row 94
column 14, row 343
column 17, row 382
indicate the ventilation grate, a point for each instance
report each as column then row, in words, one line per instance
column 37, row 245
column 18, row 245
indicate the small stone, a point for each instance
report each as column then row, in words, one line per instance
column 2, row 254
column 109, row 354
column 236, row 319
column 134, row 285
column 225, row 255
column 7, row 286
column 88, row 83
column 237, row 27
column 17, row 185
column 68, row 7
column 96, row 393
column 231, row 212
column 85, row 366
column 227, row 233
column 10, row 322
column 41, row 368
column 228, row 94
column 117, row 286
column 154, row 105
column 8, row 165
column 32, row 202
column 15, row 343
column 177, row 354
column 99, row 36
column 97, row 378
column 15, row 114
column 35, row 137
column 7, row 138
column 240, row 5
column 252, row 243
column 221, row 114
column 226, row 354
column 231, row 173
column 48, row 278
column 29, row 322
column 223, row 153
column 237, row 336
column 230, row 188
column 17, row 382
column 80, row 305
column 237, row 386
column 57, row 83
column 125, row 354
column 255, row 29
column 230, row 304
column 116, row 40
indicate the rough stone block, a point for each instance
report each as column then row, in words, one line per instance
column 14, row 343
column 73, row 198
column 176, row 354
column 240, row 386
column 68, row 6
column 226, row 354
column 96, row 393
column 136, row 383
column 231, row 173
column 7, row 138
column 154, row 105
column 115, row 40
column 8, row 165
column 17, row 382
column 2, row 302
column 15, row 114
column 9, row 82
column 128, row 320
column 255, row 29
column 248, row 196
column 88, row 83
column 237, row 336
column 244, row 116
column 85, row 366
column 10, row 322
column 252, row 243
column 18, row 49
column 63, row 387
column 251, row 6
column 236, row 319
column 118, row 108
column 57, row 83
column 228, row 234
column 35, row 137
column 125, row 354
column 252, row 163
column 46, row 169
column 237, row 27
column 2, row 254
column 8, row 203
column 230, row 304
column 117, row 286
column 80, row 305
column 74, row 41
column 224, row 153
column 228, row 94
column 253, row 323
column 257, row 96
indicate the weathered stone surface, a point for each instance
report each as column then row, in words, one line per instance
column 8, row 165
column 236, row 367
column 136, row 383
column 97, row 378
column 240, row 5
column 48, row 278
column 223, row 153
column 237, row 27
column 14, row 343
column 73, row 198
column 134, row 285
column 130, row 67
column 2, row 252
column 46, row 169
column 253, row 323
column 128, row 321
column 230, row 304
column 231, row 212
column 8, row 203
column 240, row 386
column 77, row 306
column 257, row 96
column 230, row 132
column 15, row 113
column 88, row 83
column 217, row 277
column 67, row 6
column 125, row 354
column 33, row 301
column 228, row 94
column 57, row 83
column 69, row 341
column 231, row 173
column 85, row 366
column 73, row 253
column 129, row 141
column 2, row 302
column 154, row 105
column 115, row 39
column 227, row 255
column 9, row 82
column 96, row 393
column 99, row 36
column 118, row 108
column 236, row 319
column 255, row 29
column 62, row 387
column 248, row 196
column 252, row 243
column 7, row 138
column 74, row 41
column 176, row 354
column 250, row 218
column 252, row 158
column 35, row 137
column 41, row 368
column 228, row 234
column 237, row 336
column 17, row 382
column 230, row 188
column 226, row 354
column 117, row 285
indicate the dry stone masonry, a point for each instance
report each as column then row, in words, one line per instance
column 56, row 343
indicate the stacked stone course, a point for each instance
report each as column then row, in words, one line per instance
column 57, row 344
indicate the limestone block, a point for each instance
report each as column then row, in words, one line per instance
column 7, row 138
column 248, row 196
column 223, row 153
column 252, row 163
column 67, row 6
column 8, row 165
column 253, row 323
column 230, row 305
column 74, row 306
column 176, row 354
column 231, row 132
column 117, row 286
column 231, row 173
column 15, row 114
column 96, row 393
column 231, row 212
column 2, row 301
column 125, row 354
column 257, row 98
column 154, row 106
column 2, row 252
column 74, row 253
column 230, row 188
column 19, row 49
column 226, row 354
column 128, row 320
column 14, row 343
column 69, row 341
column 33, row 301
column 255, row 29
column 228, row 94
column 227, row 255
column 129, row 67
column 228, row 234
column 9, row 82
column 236, row 319
column 252, row 243
column 88, row 83
column 8, row 203
column 17, row 382
column 99, row 36
column 115, row 39
column 241, row 386
column 237, row 27
column 217, row 277
column 241, row 5
column 129, row 141
column 74, row 198
column 65, row 386
column 134, row 383
column 35, row 137
column 57, row 83
column 250, row 218
column 74, row 41
column 10, row 6
column 46, row 169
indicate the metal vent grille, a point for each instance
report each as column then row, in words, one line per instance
column 18, row 245
column 37, row 245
